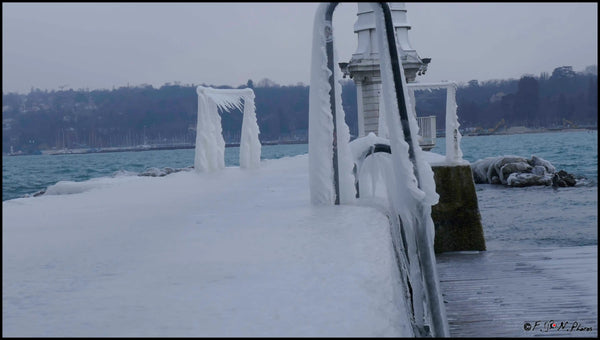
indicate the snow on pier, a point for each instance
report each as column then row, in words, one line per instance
column 237, row 252
column 242, row 252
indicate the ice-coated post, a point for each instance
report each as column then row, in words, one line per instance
column 250, row 147
column 330, row 66
column 329, row 157
column 453, row 136
column 210, row 146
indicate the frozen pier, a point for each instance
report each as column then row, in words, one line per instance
column 521, row 293
column 237, row 252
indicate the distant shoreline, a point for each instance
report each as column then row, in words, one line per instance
column 525, row 130
column 510, row 131
column 141, row 148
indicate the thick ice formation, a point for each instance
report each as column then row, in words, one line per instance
column 320, row 118
column 426, row 192
column 412, row 197
column 409, row 180
column 250, row 147
column 453, row 151
column 359, row 145
column 210, row 145
column 368, row 172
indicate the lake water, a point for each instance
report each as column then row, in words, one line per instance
column 512, row 217
column 22, row 175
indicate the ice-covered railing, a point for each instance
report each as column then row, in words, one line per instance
column 330, row 162
column 427, row 131
column 453, row 152
column 426, row 125
column 411, row 184
column 210, row 145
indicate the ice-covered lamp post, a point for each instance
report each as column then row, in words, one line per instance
column 456, row 216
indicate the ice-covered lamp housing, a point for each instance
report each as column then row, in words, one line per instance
column 367, row 51
column 364, row 68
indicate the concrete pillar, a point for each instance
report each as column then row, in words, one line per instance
column 456, row 217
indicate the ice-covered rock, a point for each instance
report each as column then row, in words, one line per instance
column 537, row 161
column 525, row 179
column 515, row 167
column 490, row 170
column 538, row 170
column 517, row 171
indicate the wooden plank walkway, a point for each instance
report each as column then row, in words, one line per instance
column 521, row 293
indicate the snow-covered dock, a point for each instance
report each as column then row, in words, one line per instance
column 521, row 293
column 237, row 252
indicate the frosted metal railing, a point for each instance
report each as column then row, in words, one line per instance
column 330, row 66
column 453, row 152
column 434, row 305
column 427, row 128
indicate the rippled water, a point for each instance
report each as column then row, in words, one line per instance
column 538, row 216
column 22, row 175
column 512, row 217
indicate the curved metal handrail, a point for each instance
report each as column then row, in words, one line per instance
column 439, row 327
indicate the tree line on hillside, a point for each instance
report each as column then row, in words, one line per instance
column 130, row 116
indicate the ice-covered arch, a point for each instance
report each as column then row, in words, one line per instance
column 453, row 151
column 210, row 145
column 330, row 159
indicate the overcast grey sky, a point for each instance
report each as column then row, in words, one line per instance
column 101, row 45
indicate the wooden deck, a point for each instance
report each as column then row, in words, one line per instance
column 501, row 293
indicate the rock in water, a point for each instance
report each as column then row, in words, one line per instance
column 525, row 179
column 537, row 161
column 516, row 167
column 539, row 170
column 155, row 172
column 563, row 179
column 517, row 171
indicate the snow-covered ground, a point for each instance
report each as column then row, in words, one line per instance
column 237, row 252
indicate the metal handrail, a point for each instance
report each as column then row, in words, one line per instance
column 439, row 328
